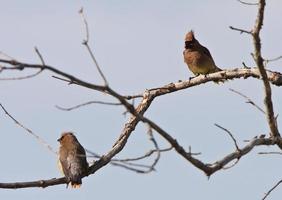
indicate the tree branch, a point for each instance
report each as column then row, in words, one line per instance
column 259, row 62
column 85, row 42
column 250, row 101
column 37, row 137
column 275, row 186
column 86, row 104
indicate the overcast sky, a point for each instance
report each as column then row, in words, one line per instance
column 139, row 45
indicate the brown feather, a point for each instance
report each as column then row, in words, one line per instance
column 197, row 57
column 72, row 158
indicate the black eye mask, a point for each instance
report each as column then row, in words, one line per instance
column 189, row 44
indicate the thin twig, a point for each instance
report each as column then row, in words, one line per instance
column 232, row 165
column 69, row 81
column 268, row 193
column 271, row 152
column 151, row 137
column 21, row 77
column 248, row 100
column 247, row 3
column 7, row 56
column 87, row 103
column 272, row 59
column 85, row 25
column 130, row 168
column 240, row 30
column 148, row 154
column 85, row 42
column 129, row 97
column 39, row 55
column 96, row 64
column 245, row 66
column 38, row 138
column 230, row 134
column 127, row 163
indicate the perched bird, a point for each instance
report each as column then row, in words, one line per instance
column 72, row 158
column 198, row 57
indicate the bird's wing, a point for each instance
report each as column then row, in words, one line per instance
column 207, row 52
column 82, row 157
column 65, row 164
column 77, row 163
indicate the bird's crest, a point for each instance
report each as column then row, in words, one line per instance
column 190, row 36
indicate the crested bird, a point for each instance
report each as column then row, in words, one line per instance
column 72, row 159
column 197, row 57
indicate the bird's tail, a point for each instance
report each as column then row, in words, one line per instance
column 75, row 182
column 217, row 69
column 75, row 185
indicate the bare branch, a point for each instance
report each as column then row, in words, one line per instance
column 86, row 104
column 85, row 42
column 272, row 59
column 21, row 66
column 128, row 160
column 40, row 183
column 248, row 100
column 247, row 3
column 259, row 62
column 123, row 163
column 129, row 97
column 7, row 56
column 209, row 169
column 230, row 134
column 85, row 25
column 39, row 55
column 240, row 30
column 232, row 165
column 272, row 152
column 245, row 66
column 20, row 77
column 151, row 137
column 268, row 193
column 146, row 155
column 126, row 166
column 235, row 143
column 274, row 77
column 64, row 79
column 24, row 77
column 38, row 138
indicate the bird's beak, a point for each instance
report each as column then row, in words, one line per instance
column 59, row 140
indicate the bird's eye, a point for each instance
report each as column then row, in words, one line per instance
column 188, row 44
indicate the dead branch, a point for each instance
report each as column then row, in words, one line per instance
column 270, row 153
column 250, row 101
column 86, row 104
column 21, row 77
column 209, row 169
column 37, row 137
column 247, row 3
column 230, row 134
column 240, row 30
column 39, row 55
column 272, row 59
column 85, row 43
column 259, row 61
column 275, row 186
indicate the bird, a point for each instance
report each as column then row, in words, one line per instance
column 197, row 57
column 72, row 159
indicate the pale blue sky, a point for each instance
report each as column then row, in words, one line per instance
column 139, row 45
